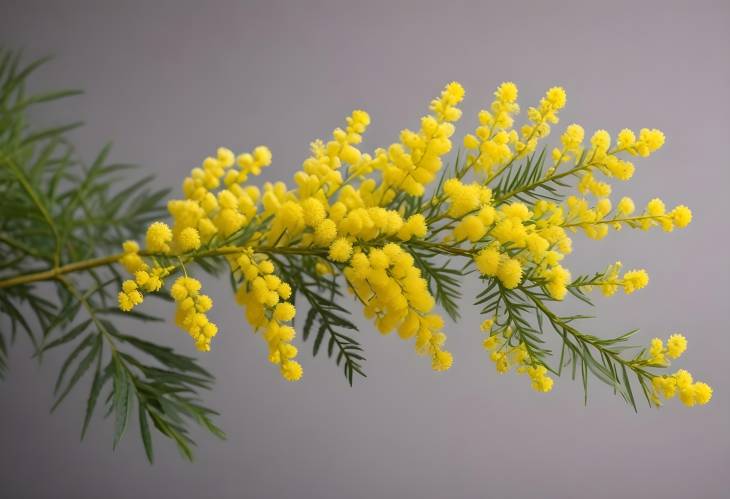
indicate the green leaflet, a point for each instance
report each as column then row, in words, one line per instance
column 54, row 209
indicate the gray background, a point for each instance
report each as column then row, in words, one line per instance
column 169, row 82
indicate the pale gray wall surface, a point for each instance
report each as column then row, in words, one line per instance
column 168, row 82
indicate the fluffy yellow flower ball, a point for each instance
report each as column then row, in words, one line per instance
column 676, row 345
column 442, row 360
column 188, row 239
column 291, row 370
column 340, row 250
column 284, row 311
column 487, row 261
column 681, row 216
column 158, row 237
column 510, row 272
column 635, row 280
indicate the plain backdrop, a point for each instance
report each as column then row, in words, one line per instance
column 169, row 82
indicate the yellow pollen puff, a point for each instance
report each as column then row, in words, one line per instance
column 490, row 343
column 625, row 206
column 601, row 140
column 557, row 279
column 573, row 137
column 471, row 228
column 414, row 226
column 507, row 92
column 226, row 157
column 649, row 141
column 379, row 259
column 509, row 272
column 676, row 345
column 556, row 96
column 454, row 91
column 313, row 212
column 603, row 207
column 158, row 237
column 635, row 280
column 130, row 247
column 131, row 260
column 350, row 154
column 486, row 325
column 540, row 381
column 487, row 261
column 442, row 360
column 471, row 142
column 284, row 312
column 284, row 291
column 326, row 232
column 262, row 155
column 656, row 352
column 340, row 250
column 464, row 198
column 655, row 208
column 625, row 139
column 188, row 239
column 681, row 216
column 291, row 370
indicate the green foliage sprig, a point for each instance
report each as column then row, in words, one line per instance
column 62, row 219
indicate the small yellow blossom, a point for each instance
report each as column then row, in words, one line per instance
column 340, row 250
column 487, row 261
column 681, row 216
column 625, row 206
column 572, row 138
column 509, row 272
column 635, row 280
column 676, row 345
column 188, row 239
column 656, row 352
column 159, row 236
column 601, row 140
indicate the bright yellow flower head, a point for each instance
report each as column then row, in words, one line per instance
column 635, row 280
column 487, row 261
column 159, row 236
column 509, row 272
column 676, row 345
column 573, row 137
column 188, row 239
column 601, row 140
column 340, row 250
column 681, row 216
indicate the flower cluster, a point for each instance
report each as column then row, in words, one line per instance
column 203, row 217
column 681, row 383
column 264, row 296
column 191, row 309
column 146, row 278
column 413, row 163
column 389, row 226
column 394, row 293
column 494, row 140
column 505, row 355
